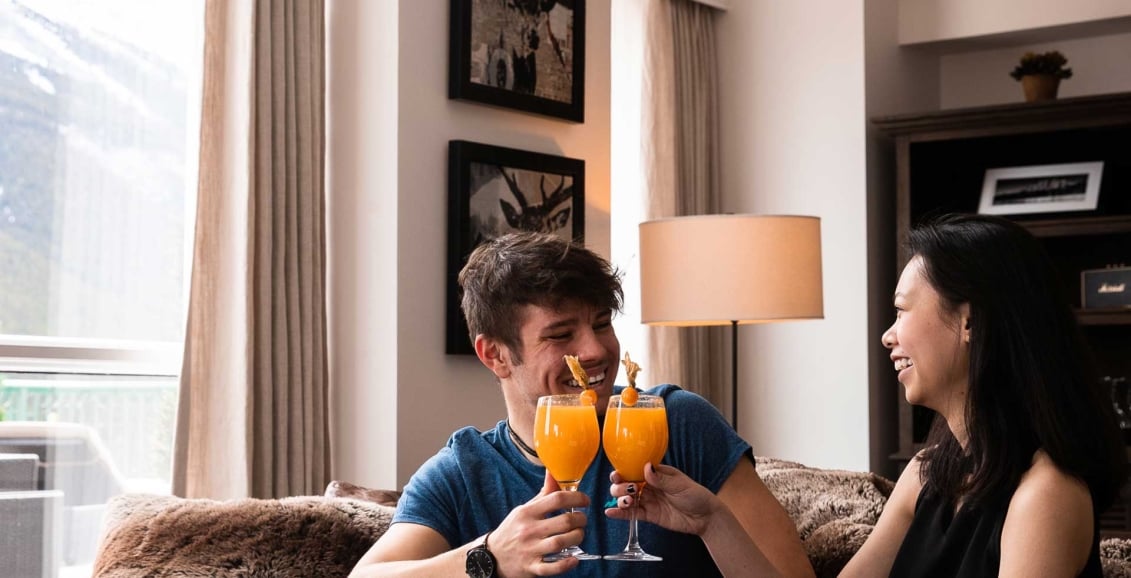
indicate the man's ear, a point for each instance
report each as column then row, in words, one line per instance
column 491, row 353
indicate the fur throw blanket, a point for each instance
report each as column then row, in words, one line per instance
column 156, row 536
column 834, row 510
column 1115, row 554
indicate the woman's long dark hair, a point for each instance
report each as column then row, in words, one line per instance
column 1032, row 381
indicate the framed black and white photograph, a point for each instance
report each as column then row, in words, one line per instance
column 527, row 55
column 1041, row 189
column 496, row 190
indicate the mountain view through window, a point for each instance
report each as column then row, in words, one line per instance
column 99, row 112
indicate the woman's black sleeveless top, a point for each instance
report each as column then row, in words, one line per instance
column 944, row 544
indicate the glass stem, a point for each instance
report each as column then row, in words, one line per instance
column 633, row 537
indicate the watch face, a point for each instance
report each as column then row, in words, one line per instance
column 480, row 563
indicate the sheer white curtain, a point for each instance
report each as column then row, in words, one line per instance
column 253, row 411
column 680, row 143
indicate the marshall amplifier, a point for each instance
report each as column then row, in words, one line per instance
column 1105, row 288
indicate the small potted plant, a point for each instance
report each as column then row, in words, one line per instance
column 1040, row 74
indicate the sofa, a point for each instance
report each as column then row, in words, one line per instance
column 156, row 536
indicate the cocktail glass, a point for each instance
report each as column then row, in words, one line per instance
column 635, row 435
column 566, row 437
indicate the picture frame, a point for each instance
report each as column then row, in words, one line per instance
column 517, row 54
column 1033, row 189
column 495, row 190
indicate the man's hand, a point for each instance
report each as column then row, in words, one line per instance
column 527, row 533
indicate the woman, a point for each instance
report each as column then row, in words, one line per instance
column 1025, row 452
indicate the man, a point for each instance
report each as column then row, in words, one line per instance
column 484, row 506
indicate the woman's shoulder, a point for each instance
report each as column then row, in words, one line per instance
column 1049, row 522
column 1045, row 481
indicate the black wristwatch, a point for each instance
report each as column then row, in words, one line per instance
column 480, row 561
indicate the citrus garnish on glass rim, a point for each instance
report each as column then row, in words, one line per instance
column 589, row 396
column 631, row 368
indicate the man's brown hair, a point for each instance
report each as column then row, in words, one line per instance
column 519, row 269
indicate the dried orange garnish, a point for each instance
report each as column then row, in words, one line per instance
column 630, row 395
column 589, row 397
column 631, row 368
column 578, row 372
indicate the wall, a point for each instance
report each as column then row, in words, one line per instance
column 626, row 86
column 793, row 141
column 1099, row 65
column 924, row 21
column 389, row 125
column 896, row 81
column 361, row 137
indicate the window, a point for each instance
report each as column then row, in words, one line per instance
column 99, row 109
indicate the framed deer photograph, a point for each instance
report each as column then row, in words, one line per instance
column 527, row 55
column 496, row 190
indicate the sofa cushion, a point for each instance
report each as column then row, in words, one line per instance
column 1115, row 555
column 339, row 489
column 149, row 535
column 834, row 510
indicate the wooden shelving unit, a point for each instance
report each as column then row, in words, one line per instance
column 941, row 159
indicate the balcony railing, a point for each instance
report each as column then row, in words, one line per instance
column 133, row 415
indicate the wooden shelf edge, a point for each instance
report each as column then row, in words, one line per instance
column 1069, row 226
column 1113, row 316
column 1102, row 109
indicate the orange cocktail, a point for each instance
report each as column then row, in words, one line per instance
column 636, row 433
column 566, row 438
column 635, row 436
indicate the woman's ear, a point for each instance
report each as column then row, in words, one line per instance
column 492, row 354
column 964, row 314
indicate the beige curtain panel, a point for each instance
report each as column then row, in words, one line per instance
column 681, row 156
column 253, row 414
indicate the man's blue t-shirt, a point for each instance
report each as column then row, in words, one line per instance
column 467, row 489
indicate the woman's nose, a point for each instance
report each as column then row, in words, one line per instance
column 888, row 337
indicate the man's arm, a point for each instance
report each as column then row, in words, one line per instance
column 518, row 543
column 765, row 520
column 412, row 550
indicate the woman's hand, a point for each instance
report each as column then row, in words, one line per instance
column 672, row 500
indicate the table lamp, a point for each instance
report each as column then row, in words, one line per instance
column 730, row 270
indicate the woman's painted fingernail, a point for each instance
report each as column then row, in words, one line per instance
column 631, row 489
column 625, row 501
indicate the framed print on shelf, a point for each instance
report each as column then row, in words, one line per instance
column 496, row 190
column 1041, row 189
column 523, row 54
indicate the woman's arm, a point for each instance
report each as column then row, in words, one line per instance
column 877, row 555
column 760, row 540
column 1048, row 527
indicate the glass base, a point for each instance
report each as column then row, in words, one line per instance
column 571, row 552
column 636, row 555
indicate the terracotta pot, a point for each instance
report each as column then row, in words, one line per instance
column 1039, row 87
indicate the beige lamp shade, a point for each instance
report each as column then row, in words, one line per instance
column 716, row 269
